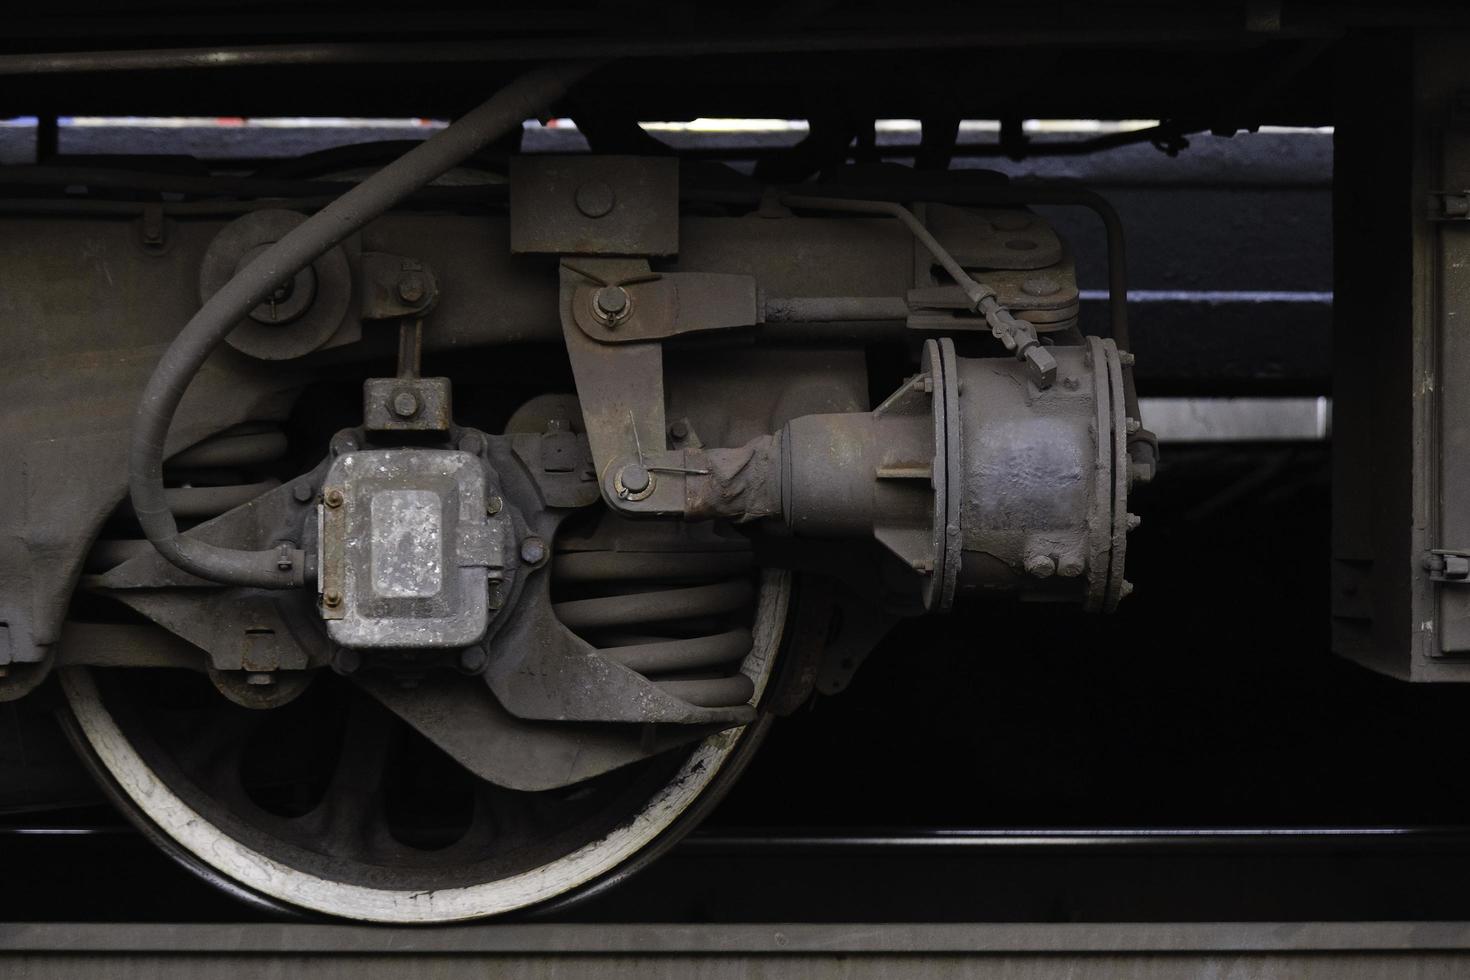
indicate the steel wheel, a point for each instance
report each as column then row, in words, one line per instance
column 334, row 805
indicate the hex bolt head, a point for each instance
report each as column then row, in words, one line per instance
column 333, row 498
column 332, row 599
column 1041, row 566
column 473, row 659
column 1133, row 425
column 411, row 287
column 493, row 503
column 595, row 198
column 1133, row 521
column 1126, row 358
column 472, row 444
column 301, row 492
column 679, row 429
column 405, row 405
column 634, row 478
column 533, row 550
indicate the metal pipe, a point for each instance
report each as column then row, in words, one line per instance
column 287, row 568
column 836, row 309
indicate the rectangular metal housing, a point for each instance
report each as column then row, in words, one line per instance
column 406, row 549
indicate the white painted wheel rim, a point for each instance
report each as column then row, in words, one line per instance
column 264, row 874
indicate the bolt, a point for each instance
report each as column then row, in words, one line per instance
column 1133, row 521
column 405, row 405
column 1133, row 425
column 634, row 478
column 1041, row 566
column 595, row 198
column 472, row 444
column 533, row 550
column 301, row 492
column 928, row 384
column 345, row 661
column 411, row 287
column 1126, row 358
column 1040, row 287
column 493, row 503
column 258, row 679
column 497, row 595
column 333, row 498
column 679, row 429
column 611, row 303
column 332, row 599
column 1126, row 590
column 473, row 659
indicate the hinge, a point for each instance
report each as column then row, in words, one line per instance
column 1447, row 565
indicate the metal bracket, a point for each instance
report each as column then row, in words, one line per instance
column 394, row 286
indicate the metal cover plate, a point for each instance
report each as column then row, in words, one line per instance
column 406, row 551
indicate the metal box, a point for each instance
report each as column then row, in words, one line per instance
column 406, row 549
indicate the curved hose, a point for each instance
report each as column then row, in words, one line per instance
column 286, row 568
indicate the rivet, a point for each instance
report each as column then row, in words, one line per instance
column 595, row 198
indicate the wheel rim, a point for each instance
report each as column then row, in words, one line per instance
column 605, row 828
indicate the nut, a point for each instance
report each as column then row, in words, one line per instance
column 533, row 550
column 611, row 304
column 332, row 599
column 411, row 287
column 405, row 405
column 1041, row 566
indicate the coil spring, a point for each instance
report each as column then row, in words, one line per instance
column 212, row 476
column 679, row 617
